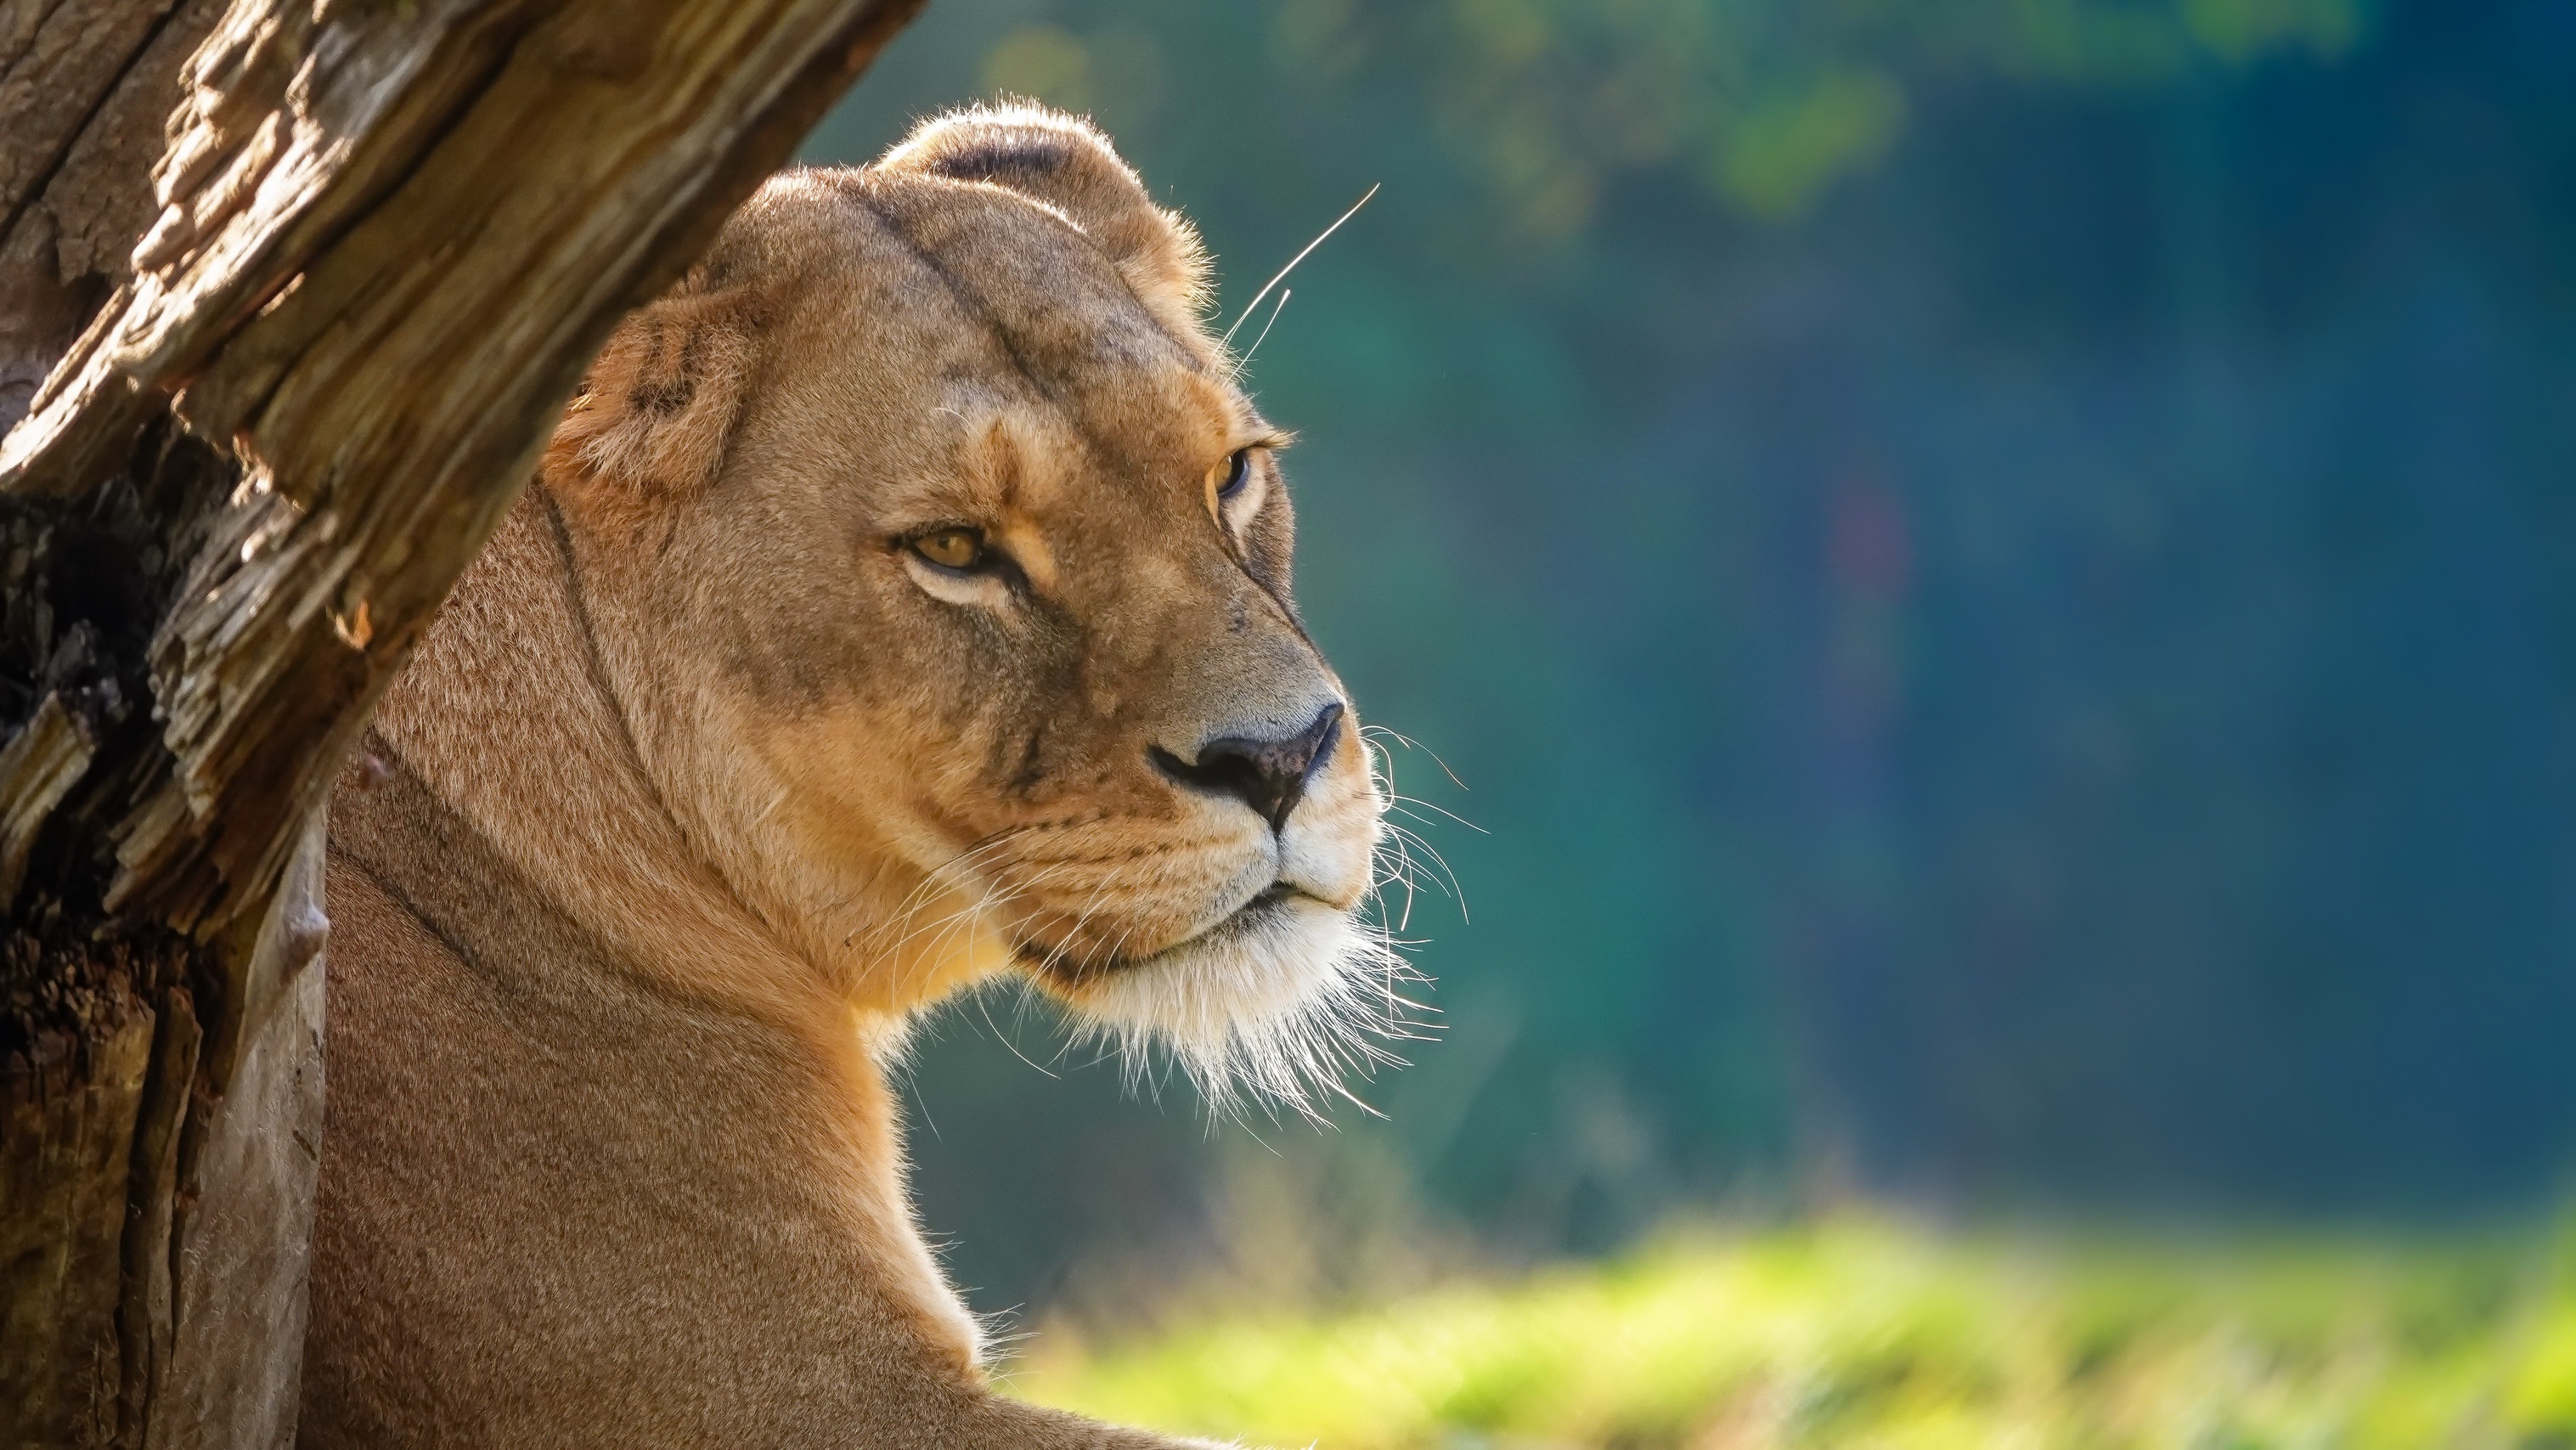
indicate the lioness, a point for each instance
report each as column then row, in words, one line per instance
column 903, row 600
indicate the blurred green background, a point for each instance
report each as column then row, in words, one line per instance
column 1994, row 577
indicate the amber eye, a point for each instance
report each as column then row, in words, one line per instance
column 1234, row 473
column 951, row 548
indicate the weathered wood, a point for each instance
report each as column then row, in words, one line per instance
column 244, row 1182
column 58, row 60
column 290, row 293
column 38, row 768
column 67, row 1126
column 84, row 92
column 146, row 1315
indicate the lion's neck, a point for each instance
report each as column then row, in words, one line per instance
column 502, row 713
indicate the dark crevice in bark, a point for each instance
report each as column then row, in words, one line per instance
column 83, row 586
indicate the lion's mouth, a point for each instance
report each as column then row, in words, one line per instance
column 1267, row 905
column 1262, row 909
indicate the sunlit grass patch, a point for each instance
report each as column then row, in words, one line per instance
column 1864, row 1335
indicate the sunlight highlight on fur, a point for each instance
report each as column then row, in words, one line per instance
column 1278, row 1013
column 1281, row 1016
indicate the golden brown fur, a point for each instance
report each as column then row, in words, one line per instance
column 709, row 775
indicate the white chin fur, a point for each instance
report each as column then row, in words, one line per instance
column 1278, row 1010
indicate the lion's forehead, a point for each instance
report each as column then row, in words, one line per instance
column 924, row 344
column 1007, row 282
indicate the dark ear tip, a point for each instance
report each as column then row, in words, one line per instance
column 1002, row 141
column 985, row 158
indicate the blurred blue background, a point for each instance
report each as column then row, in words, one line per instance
column 1996, row 573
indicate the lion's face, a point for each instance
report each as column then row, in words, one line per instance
column 968, row 586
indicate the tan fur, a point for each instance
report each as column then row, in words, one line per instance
column 703, row 783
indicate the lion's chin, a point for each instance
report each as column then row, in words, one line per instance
column 1279, row 1003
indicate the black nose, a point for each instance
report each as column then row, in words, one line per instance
column 1268, row 775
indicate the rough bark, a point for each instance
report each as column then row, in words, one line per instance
column 290, row 291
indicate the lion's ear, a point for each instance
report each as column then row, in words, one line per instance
column 1067, row 164
column 656, row 409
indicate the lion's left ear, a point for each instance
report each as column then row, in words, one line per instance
column 655, row 411
column 1067, row 164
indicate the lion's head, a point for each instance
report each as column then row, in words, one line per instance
column 945, row 568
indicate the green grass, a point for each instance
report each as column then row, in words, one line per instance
column 1858, row 1335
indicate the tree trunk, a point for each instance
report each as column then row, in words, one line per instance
column 290, row 294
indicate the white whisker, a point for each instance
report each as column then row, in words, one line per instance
column 1276, row 308
column 1292, row 264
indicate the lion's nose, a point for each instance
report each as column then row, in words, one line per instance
column 1268, row 775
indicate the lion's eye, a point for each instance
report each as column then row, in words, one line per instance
column 951, row 548
column 1238, row 471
